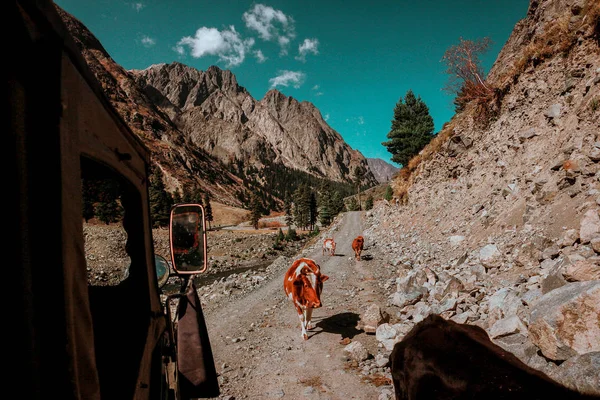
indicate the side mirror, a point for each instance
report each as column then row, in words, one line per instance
column 187, row 233
column 162, row 270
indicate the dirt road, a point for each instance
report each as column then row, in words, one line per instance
column 256, row 340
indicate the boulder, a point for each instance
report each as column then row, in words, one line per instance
column 356, row 351
column 507, row 326
column 490, row 256
column 581, row 373
column 564, row 322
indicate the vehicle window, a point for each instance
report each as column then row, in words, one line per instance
column 105, row 237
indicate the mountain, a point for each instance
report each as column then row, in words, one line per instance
column 182, row 163
column 381, row 169
column 223, row 119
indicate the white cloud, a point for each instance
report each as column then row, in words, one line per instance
column 226, row 44
column 147, row 41
column 361, row 120
column 288, row 78
column 271, row 25
column 138, row 6
column 316, row 87
column 308, row 46
column 326, row 117
column 260, row 57
column 317, row 91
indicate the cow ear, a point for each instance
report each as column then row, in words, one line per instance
column 324, row 278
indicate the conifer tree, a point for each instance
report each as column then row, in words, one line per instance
column 208, row 210
column 412, row 128
column 177, row 197
column 337, row 203
column 352, row 204
column 160, row 200
column 325, row 206
column 255, row 210
column 287, row 207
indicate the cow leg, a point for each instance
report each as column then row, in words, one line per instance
column 303, row 335
column 309, row 324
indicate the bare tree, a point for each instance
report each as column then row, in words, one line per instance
column 467, row 79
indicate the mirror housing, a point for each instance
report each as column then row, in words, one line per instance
column 187, row 237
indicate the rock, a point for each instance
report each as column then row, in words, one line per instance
column 489, row 256
column 506, row 301
column 381, row 360
column 385, row 394
column 356, row 351
column 589, row 226
column 422, row 310
column 595, row 243
column 372, row 318
column 528, row 134
column 456, row 240
column 401, row 299
column 461, row 318
column 582, row 270
column 580, row 373
column 564, row 322
column 569, row 238
column 519, row 345
column 531, row 296
column 507, row 326
column 553, row 111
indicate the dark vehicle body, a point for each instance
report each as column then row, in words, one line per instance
column 75, row 340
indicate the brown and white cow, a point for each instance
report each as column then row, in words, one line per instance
column 440, row 359
column 329, row 246
column 357, row 246
column 303, row 284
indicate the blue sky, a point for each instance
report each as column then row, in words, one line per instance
column 352, row 59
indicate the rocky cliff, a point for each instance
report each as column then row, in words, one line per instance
column 500, row 223
column 181, row 161
column 222, row 118
column 381, row 169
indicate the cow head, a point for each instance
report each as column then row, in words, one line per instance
column 308, row 288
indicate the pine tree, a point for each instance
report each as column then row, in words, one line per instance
column 369, row 202
column 412, row 128
column 160, row 200
column 108, row 211
column 89, row 195
column 255, row 210
column 389, row 193
column 325, row 209
column 302, row 206
column 337, row 203
column 312, row 209
column 208, row 210
column 287, row 207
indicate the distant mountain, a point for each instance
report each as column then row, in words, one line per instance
column 222, row 118
column 183, row 164
column 205, row 130
column 381, row 169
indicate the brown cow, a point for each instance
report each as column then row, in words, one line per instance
column 441, row 359
column 329, row 246
column 357, row 246
column 303, row 283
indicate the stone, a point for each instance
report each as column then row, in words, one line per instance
column 595, row 244
column 489, row 256
column 506, row 300
column 356, row 351
column 507, row 326
column 582, row 270
column 456, row 240
column 564, row 323
column 580, row 373
column 553, row 111
column 402, row 299
column 528, row 134
column 569, row 238
column 519, row 345
column 372, row 318
column 589, row 226
column 381, row 360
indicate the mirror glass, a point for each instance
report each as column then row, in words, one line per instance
column 188, row 239
column 162, row 270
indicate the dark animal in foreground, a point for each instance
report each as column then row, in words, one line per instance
column 441, row 360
